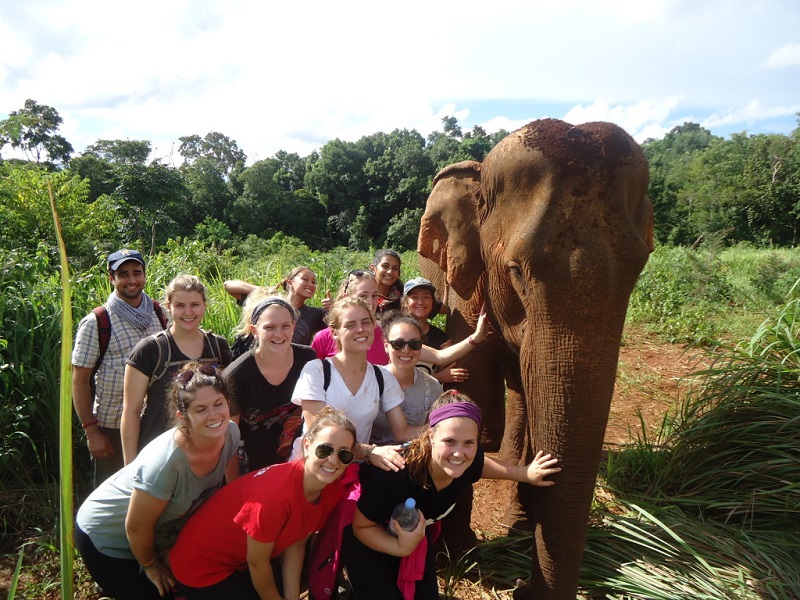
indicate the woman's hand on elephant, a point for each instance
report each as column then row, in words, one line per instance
column 452, row 375
column 543, row 465
column 481, row 328
column 388, row 458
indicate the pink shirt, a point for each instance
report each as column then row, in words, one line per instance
column 325, row 346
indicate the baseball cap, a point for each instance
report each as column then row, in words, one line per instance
column 418, row 282
column 120, row 256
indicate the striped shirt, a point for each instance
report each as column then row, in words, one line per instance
column 110, row 375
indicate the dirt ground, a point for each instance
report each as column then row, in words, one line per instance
column 648, row 382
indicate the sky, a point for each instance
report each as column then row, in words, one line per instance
column 294, row 75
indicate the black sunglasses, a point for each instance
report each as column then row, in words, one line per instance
column 185, row 377
column 353, row 273
column 399, row 343
column 325, row 450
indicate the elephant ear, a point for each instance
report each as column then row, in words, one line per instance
column 450, row 228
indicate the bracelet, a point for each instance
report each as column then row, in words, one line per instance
column 89, row 423
column 472, row 342
column 151, row 563
column 369, row 453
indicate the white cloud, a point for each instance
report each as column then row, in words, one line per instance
column 752, row 112
column 640, row 119
column 785, row 56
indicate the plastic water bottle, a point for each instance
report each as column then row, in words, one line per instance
column 244, row 461
column 406, row 515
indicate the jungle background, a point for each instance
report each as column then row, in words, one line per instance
column 699, row 493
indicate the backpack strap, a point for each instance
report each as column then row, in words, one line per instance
column 326, row 377
column 379, row 377
column 103, row 339
column 162, row 318
column 326, row 374
column 164, row 356
column 213, row 343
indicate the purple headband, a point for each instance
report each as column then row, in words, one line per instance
column 273, row 301
column 455, row 409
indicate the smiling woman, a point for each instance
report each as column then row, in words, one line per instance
column 262, row 520
column 155, row 360
column 126, row 526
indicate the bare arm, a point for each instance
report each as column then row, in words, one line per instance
column 374, row 535
column 133, row 392
column 447, row 355
column 541, row 466
column 140, row 526
column 258, row 562
column 232, row 469
column 238, row 288
column 98, row 443
column 292, row 569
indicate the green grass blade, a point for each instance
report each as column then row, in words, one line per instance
column 65, row 416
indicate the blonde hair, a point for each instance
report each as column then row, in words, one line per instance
column 254, row 298
column 352, row 279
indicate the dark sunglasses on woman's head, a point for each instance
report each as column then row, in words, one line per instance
column 185, row 377
column 325, row 450
column 353, row 273
column 399, row 343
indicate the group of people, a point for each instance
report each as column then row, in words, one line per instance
column 346, row 400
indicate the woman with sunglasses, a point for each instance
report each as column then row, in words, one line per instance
column 248, row 541
column 361, row 284
column 404, row 346
column 126, row 526
column 263, row 379
column 156, row 359
column 440, row 463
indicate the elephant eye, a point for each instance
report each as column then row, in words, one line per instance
column 517, row 277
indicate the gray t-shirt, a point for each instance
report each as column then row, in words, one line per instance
column 416, row 403
column 162, row 470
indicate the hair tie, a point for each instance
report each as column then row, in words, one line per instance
column 455, row 409
column 453, row 392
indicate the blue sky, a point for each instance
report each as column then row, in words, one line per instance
column 295, row 75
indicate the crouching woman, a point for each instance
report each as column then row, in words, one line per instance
column 440, row 463
column 126, row 526
column 248, row 541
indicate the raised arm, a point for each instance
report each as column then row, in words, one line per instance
column 447, row 355
column 238, row 288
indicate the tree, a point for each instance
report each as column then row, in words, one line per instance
column 32, row 129
column 221, row 150
column 121, row 152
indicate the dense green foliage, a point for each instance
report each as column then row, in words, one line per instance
column 366, row 193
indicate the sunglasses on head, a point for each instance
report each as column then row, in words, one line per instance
column 354, row 273
column 325, row 450
column 400, row 343
column 185, row 377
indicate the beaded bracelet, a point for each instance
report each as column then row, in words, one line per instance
column 89, row 423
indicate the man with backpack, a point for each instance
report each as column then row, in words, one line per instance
column 103, row 342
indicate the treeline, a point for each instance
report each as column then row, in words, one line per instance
column 358, row 195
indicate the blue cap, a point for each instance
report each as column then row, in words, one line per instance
column 119, row 257
column 418, row 282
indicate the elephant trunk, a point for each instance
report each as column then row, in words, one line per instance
column 568, row 368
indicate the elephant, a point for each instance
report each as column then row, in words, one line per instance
column 548, row 235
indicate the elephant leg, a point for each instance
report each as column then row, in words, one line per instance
column 516, row 448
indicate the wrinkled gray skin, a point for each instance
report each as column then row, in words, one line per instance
column 550, row 232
